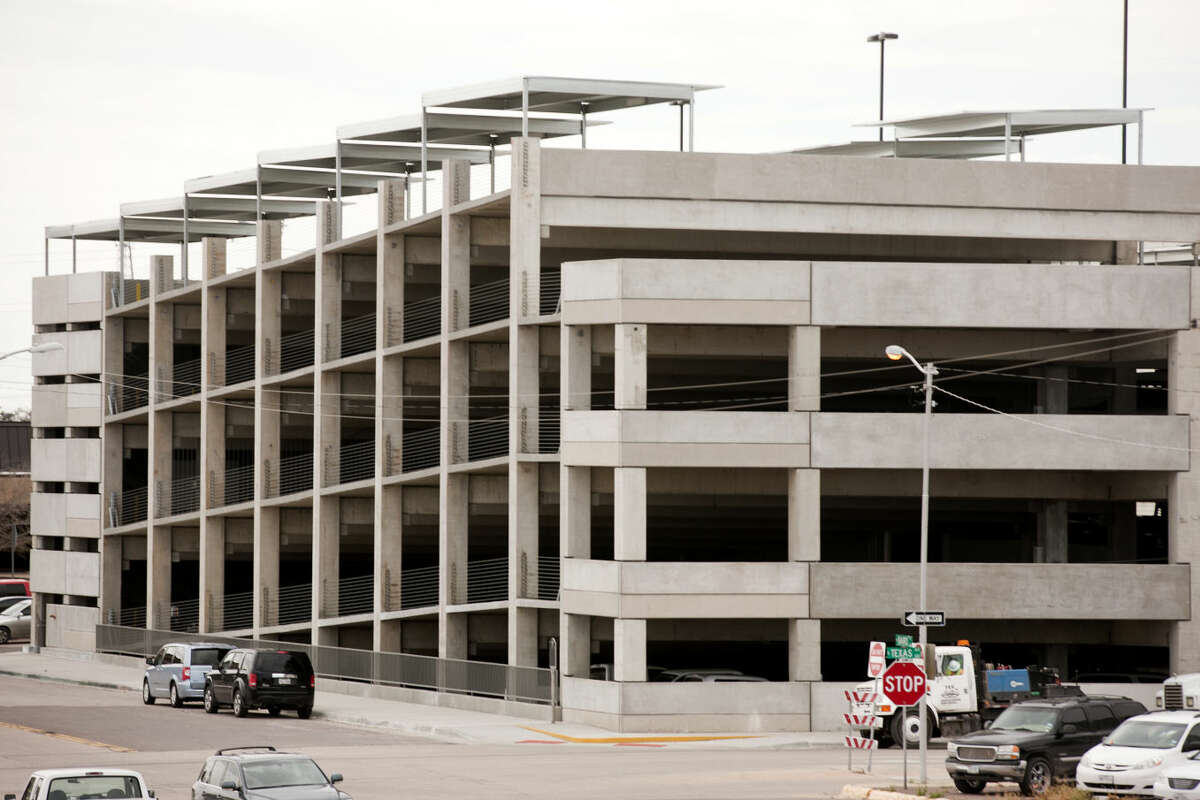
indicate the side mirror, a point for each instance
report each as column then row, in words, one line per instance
column 229, row 786
column 987, row 723
column 335, row 777
column 150, row 660
column 151, row 793
column 1068, row 729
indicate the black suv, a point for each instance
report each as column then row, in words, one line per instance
column 270, row 679
column 1036, row 741
column 262, row 773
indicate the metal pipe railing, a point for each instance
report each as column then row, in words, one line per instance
column 295, row 474
column 238, row 486
column 186, row 378
column 128, row 393
column 487, row 438
column 293, row 604
column 489, row 302
column 296, row 351
column 549, row 429
column 487, row 581
column 421, row 449
column 355, row 462
column 419, row 587
column 551, row 292
column 239, row 366
column 128, row 506
column 341, row 598
column 422, row 319
column 358, row 335
column 181, row 496
column 549, row 570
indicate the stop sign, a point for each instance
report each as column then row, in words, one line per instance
column 904, row 683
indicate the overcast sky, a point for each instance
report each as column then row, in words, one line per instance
column 110, row 101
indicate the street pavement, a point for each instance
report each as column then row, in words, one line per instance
column 45, row 723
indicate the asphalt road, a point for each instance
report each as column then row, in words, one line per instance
column 44, row 724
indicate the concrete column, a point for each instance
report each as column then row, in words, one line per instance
column 266, row 565
column 212, row 454
column 212, row 574
column 111, row 556
column 162, row 326
column 452, row 636
column 455, row 385
column 522, row 636
column 389, row 513
column 269, row 241
column 1052, row 531
column 159, row 440
column 327, row 521
column 523, row 500
column 525, row 236
column 804, row 515
column 524, row 389
column 629, row 354
column 804, row 650
column 114, row 371
column 456, row 247
column 212, row 337
column 575, row 367
column 158, row 577
column 575, row 511
column 214, row 256
column 804, row 368
column 268, row 322
column 389, row 265
column 389, row 415
column 114, row 449
column 1183, row 497
column 575, row 647
column 453, row 512
column 629, row 650
column 327, row 432
column 162, row 273
column 629, row 514
column 1052, row 392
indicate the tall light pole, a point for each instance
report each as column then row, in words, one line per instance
column 881, row 37
column 45, row 347
column 1125, row 73
column 895, row 352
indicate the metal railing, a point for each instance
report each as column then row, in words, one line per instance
column 295, row 352
column 179, row 496
column 487, row 438
column 358, row 335
column 422, row 319
column 549, row 571
column 341, row 598
column 521, row 684
column 549, row 429
column 232, row 612
column 293, row 604
column 127, row 506
column 130, row 617
column 421, row 450
column 135, row 290
column 295, row 474
column 186, row 378
column 132, row 391
column 238, row 487
column 419, row 587
column 489, row 302
column 181, row 615
column 355, row 462
column 487, row 581
column 238, row 365
column 550, row 301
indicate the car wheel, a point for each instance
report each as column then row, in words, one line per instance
column 210, row 701
column 239, row 705
column 969, row 785
column 176, row 700
column 304, row 712
column 1038, row 776
column 147, row 698
column 5, row 635
column 273, row 710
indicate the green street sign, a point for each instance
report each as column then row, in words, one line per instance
column 902, row 653
column 904, row 640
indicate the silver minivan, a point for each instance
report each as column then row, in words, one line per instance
column 177, row 671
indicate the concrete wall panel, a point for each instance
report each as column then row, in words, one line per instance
column 65, row 572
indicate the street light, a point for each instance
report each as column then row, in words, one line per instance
column 895, row 352
column 881, row 37
column 45, row 347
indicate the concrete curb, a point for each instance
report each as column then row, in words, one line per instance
column 447, row 735
column 72, row 681
column 855, row 792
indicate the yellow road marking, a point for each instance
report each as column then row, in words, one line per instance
column 633, row 739
column 66, row 737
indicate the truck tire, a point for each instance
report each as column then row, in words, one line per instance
column 1038, row 777
column 970, row 785
column 911, row 720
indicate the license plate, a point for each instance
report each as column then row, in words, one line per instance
column 973, row 770
column 285, row 681
column 1105, row 779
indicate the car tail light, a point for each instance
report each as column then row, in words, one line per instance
column 312, row 681
column 253, row 679
column 186, row 674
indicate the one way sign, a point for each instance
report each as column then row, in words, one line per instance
column 914, row 619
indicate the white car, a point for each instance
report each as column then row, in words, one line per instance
column 1132, row 757
column 85, row 784
column 1181, row 782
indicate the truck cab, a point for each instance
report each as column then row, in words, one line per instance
column 952, row 690
column 1179, row 693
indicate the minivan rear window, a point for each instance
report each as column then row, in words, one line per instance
column 291, row 663
column 13, row 590
column 208, row 656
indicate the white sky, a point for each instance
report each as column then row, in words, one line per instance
column 110, row 101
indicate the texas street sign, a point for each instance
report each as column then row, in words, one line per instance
column 913, row 619
column 903, row 653
column 903, row 640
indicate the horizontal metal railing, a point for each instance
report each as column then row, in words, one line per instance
column 549, row 429
column 178, row 496
column 422, row 319
column 181, row 615
column 295, row 474
column 548, row 574
column 232, row 612
column 128, row 393
column 293, row 604
column 489, row 302
column 238, row 365
column 186, row 378
column 487, row 581
column 129, row 617
column 237, row 487
column 341, row 598
column 521, row 684
column 355, row 462
column 487, row 438
column 295, row 351
column 421, row 449
column 134, row 290
column 549, row 302
column 358, row 335
column 127, row 506
column 419, row 587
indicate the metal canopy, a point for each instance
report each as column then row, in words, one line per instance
column 393, row 159
column 1017, row 123
column 143, row 229
column 479, row 130
column 200, row 207
column 282, row 182
column 562, row 95
column 910, row 148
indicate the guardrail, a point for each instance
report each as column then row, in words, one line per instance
column 548, row 575
column 487, row 438
column 549, row 302
column 179, row 496
column 341, row 598
column 293, row 604
column 238, row 366
column 358, row 335
column 294, row 474
column 232, row 612
column 489, row 302
column 421, row 319
column 132, row 391
column 549, row 429
column 487, row 581
column 419, row 587
column 127, row 506
column 185, row 378
column 238, row 487
column 522, row 684
column 295, row 350
column 355, row 462
column 421, row 449
column 134, row 290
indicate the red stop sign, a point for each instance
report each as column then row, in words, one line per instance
column 904, row 683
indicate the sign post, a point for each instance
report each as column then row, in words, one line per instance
column 904, row 685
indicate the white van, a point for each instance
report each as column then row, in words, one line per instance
column 1132, row 757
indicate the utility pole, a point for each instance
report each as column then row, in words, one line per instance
column 881, row 37
column 1125, row 74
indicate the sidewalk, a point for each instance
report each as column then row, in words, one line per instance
column 436, row 722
